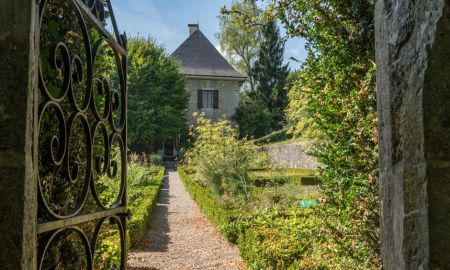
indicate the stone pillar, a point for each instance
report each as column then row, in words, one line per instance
column 18, row 203
column 413, row 80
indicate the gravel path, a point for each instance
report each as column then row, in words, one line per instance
column 181, row 237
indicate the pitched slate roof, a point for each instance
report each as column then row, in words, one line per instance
column 199, row 57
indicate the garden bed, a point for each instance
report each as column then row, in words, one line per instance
column 270, row 229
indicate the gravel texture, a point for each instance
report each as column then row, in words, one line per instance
column 181, row 237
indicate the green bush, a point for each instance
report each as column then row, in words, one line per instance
column 143, row 190
column 156, row 159
column 273, row 232
column 220, row 160
column 143, row 186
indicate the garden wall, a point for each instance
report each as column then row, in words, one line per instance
column 292, row 155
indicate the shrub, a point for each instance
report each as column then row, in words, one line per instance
column 156, row 159
column 273, row 232
column 143, row 190
column 219, row 158
column 144, row 183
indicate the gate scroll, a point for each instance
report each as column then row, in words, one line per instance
column 82, row 136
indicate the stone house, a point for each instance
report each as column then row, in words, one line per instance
column 212, row 82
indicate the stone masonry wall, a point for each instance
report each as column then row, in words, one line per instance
column 412, row 55
column 290, row 156
column 228, row 97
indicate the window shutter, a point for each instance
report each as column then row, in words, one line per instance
column 216, row 99
column 199, row 99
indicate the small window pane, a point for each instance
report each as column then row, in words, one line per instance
column 208, row 99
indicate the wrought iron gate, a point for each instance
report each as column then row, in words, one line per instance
column 81, row 136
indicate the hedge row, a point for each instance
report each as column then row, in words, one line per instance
column 274, row 238
column 218, row 214
column 267, row 239
column 142, row 200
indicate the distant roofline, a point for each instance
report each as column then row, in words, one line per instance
column 199, row 58
column 206, row 77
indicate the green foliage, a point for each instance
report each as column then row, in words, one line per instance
column 219, row 158
column 270, row 74
column 337, row 83
column 297, row 120
column 273, row 232
column 144, row 184
column 156, row 159
column 269, row 176
column 261, row 109
column 156, row 93
column 239, row 44
column 334, row 101
column 253, row 116
column 218, row 214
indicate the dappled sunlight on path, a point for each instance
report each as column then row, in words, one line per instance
column 181, row 237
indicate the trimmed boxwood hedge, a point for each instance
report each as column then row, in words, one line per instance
column 142, row 201
column 218, row 214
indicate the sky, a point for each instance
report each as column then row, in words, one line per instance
column 167, row 20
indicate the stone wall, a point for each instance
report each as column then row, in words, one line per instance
column 413, row 81
column 18, row 174
column 228, row 97
column 290, row 155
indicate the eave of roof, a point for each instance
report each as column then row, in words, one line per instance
column 209, row 77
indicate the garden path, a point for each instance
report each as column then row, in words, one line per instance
column 181, row 237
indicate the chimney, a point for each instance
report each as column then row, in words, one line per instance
column 192, row 28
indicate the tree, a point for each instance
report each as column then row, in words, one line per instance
column 156, row 94
column 239, row 44
column 270, row 74
column 253, row 116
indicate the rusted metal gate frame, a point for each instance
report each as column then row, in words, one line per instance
column 92, row 11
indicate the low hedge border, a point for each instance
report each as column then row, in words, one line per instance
column 218, row 214
column 142, row 211
column 267, row 238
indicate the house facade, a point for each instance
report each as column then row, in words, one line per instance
column 212, row 82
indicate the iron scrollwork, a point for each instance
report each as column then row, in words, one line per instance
column 82, row 136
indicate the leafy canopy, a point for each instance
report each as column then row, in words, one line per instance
column 156, row 93
column 261, row 109
column 239, row 44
